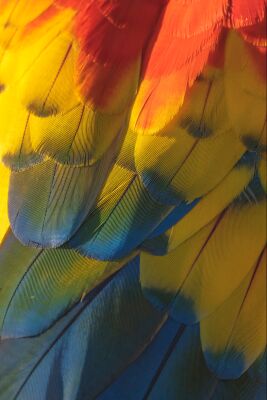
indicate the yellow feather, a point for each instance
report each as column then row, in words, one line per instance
column 20, row 12
column 232, row 250
column 27, row 51
column 210, row 206
column 238, row 327
column 194, row 153
column 211, row 264
column 46, row 86
column 164, row 275
column 245, row 91
column 79, row 136
column 15, row 144
column 4, row 221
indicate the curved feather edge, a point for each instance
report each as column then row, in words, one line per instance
column 40, row 286
column 173, row 366
column 78, row 357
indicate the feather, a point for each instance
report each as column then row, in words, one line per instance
column 20, row 12
column 124, row 198
column 195, row 153
column 16, row 148
column 173, row 364
column 207, row 208
column 39, row 286
column 244, row 13
column 234, row 336
column 79, row 136
column 108, row 71
column 132, row 199
column 47, row 95
column 174, row 58
column 71, row 351
column 40, row 200
column 4, row 221
column 263, row 173
column 205, row 269
column 245, row 90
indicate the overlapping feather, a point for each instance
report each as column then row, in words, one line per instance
column 132, row 127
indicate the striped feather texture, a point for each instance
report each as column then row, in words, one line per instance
column 132, row 199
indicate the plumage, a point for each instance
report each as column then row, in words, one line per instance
column 241, row 336
column 207, row 207
column 118, row 304
column 245, row 91
column 44, row 285
column 5, row 174
column 132, row 199
column 196, row 277
column 39, row 215
column 102, row 235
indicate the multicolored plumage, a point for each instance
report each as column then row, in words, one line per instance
column 132, row 199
